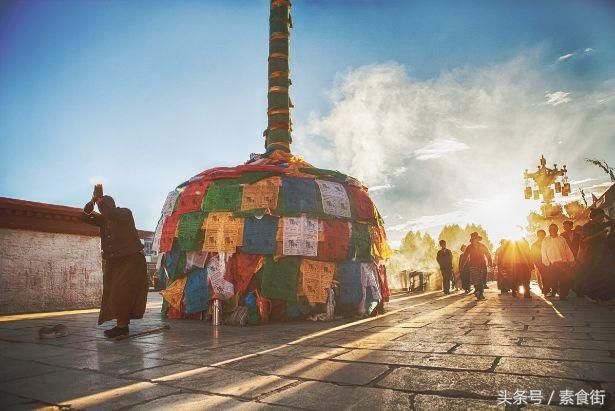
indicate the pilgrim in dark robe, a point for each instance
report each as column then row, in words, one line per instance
column 124, row 267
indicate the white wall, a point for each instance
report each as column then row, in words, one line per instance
column 48, row 271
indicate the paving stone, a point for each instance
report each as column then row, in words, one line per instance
column 452, row 361
column 569, row 343
column 472, row 383
column 161, row 372
column 226, row 381
column 532, row 334
column 189, row 402
column 436, row 403
column 121, row 397
column 414, row 346
column 202, row 356
column 83, row 389
column 26, row 351
column 126, row 347
column 602, row 336
column 15, row 403
column 315, row 352
column 367, row 335
column 567, row 329
column 318, row 341
column 104, row 362
column 13, row 369
column 429, row 339
column 410, row 324
column 323, row 370
column 314, row 395
column 565, row 369
column 30, row 335
column 534, row 352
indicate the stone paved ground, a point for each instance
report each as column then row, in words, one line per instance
column 428, row 352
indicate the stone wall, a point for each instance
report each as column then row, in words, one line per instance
column 42, row 271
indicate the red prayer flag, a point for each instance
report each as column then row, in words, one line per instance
column 335, row 240
column 168, row 232
column 241, row 268
column 192, row 198
column 363, row 205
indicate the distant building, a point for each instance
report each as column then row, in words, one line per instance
column 607, row 202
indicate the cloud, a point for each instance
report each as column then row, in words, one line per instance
column 426, row 222
column 382, row 120
column 379, row 188
column 400, row 170
column 557, row 97
column 439, row 148
column 565, row 57
column 579, row 182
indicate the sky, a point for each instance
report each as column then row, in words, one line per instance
column 437, row 106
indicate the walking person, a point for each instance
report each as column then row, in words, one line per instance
column 445, row 261
column 478, row 257
column 536, row 256
column 124, row 268
column 503, row 264
column 572, row 237
column 558, row 261
column 522, row 268
column 464, row 270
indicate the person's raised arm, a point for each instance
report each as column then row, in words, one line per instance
column 90, row 216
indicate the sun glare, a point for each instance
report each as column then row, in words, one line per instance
column 504, row 216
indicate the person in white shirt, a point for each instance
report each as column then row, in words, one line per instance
column 558, row 261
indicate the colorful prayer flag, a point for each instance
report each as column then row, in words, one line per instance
column 334, row 198
column 299, row 195
column 196, row 291
column 174, row 293
column 261, row 195
column 316, row 279
column 259, row 235
column 280, row 279
column 300, row 236
column 223, row 232
column 223, row 195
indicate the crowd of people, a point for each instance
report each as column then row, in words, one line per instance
column 581, row 259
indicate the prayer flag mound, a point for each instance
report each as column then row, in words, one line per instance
column 275, row 238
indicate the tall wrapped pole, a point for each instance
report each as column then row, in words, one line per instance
column 279, row 125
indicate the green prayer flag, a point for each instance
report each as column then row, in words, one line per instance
column 360, row 243
column 280, row 279
column 223, row 195
column 190, row 232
